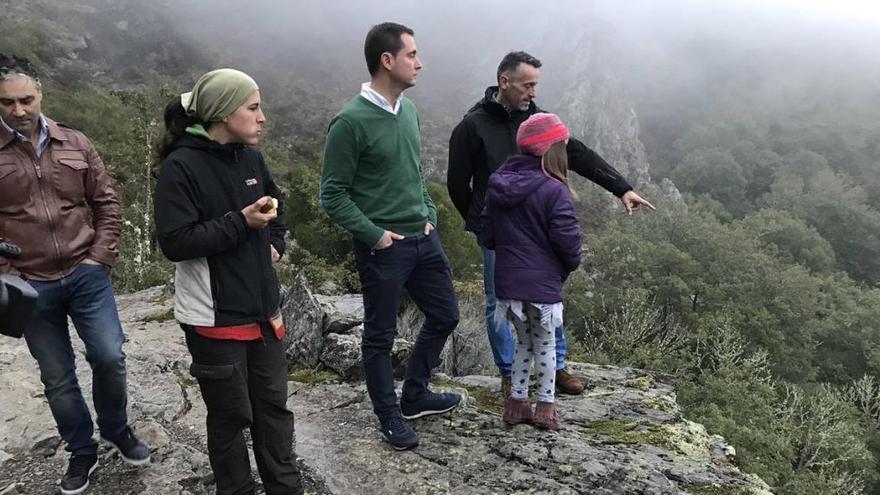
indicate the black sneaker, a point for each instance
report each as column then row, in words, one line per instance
column 130, row 448
column 400, row 435
column 429, row 403
column 76, row 479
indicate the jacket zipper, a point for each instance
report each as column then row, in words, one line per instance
column 265, row 258
column 39, row 173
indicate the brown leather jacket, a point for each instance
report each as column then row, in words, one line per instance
column 60, row 207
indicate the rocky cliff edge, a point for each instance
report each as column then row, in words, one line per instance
column 624, row 436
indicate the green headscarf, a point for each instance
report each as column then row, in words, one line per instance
column 217, row 94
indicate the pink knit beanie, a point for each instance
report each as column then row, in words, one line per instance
column 539, row 132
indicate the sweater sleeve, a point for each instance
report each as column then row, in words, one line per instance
column 429, row 203
column 460, row 169
column 564, row 231
column 181, row 233
column 589, row 164
column 340, row 164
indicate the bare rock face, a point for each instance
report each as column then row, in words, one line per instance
column 342, row 354
column 160, row 401
column 590, row 98
column 304, row 322
column 326, row 332
column 165, row 409
column 625, row 435
column 341, row 313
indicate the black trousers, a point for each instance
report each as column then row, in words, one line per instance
column 419, row 265
column 244, row 385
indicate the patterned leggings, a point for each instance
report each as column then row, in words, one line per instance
column 536, row 337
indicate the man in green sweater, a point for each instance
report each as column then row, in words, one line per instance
column 372, row 185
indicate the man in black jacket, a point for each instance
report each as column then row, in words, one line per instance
column 480, row 143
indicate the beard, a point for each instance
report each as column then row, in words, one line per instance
column 24, row 126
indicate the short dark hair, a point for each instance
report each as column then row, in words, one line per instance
column 12, row 65
column 383, row 38
column 511, row 61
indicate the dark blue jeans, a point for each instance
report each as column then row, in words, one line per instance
column 419, row 265
column 87, row 297
column 500, row 335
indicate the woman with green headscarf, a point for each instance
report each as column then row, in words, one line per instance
column 218, row 219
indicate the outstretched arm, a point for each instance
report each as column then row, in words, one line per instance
column 587, row 163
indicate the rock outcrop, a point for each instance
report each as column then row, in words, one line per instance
column 625, row 435
column 324, row 332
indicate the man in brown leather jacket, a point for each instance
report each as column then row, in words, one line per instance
column 58, row 204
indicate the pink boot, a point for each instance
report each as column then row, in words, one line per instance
column 546, row 416
column 517, row 411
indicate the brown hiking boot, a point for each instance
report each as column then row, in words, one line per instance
column 546, row 416
column 505, row 387
column 517, row 411
column 567, row 383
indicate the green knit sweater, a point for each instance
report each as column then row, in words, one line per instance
column 372, row 178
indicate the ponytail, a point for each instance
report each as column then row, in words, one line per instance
column 176, row 122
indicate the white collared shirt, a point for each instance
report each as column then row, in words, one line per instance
column 375, row 98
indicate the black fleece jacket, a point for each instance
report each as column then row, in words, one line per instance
column 202, row 188
column 486, row 138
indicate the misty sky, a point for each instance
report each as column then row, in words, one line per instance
column 474, row 35
column 462, row 27
column 654, row 51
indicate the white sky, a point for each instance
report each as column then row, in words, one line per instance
column 858, row 11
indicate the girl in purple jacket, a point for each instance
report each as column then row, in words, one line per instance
column 530, row 222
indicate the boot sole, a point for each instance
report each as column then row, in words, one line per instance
column 545, row 426
column 422, row 414
column 400, row 448
column 81, row 489
column 561, row 390
column 128, row 460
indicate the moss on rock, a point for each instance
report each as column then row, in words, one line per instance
column 310, row 376
column 644, row 382
column 687, row 438
column 726, row 490
column 486, row 400
column 662, row 403
column 167, row 315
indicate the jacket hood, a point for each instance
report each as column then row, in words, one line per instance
column 488, row 104
column 510, row 185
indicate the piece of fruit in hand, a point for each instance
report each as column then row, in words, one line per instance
column 269, row 207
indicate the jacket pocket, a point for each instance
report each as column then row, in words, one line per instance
column 70, row 175
column 7, row 169
column 13, row 187
column 74, row 163
column 211, row 371
column 224, row 391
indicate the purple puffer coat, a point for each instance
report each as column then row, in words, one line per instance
column 529, row 221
